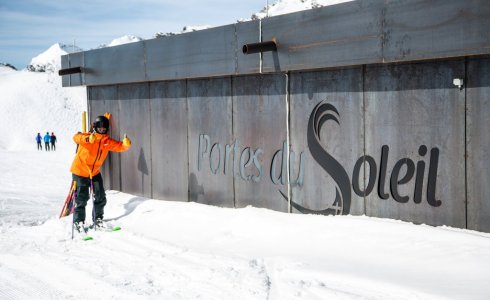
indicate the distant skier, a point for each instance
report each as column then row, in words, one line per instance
column 52, row 140
column 38, row 140
column 92, row 150
column 46, row 139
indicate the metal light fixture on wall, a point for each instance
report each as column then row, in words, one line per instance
column 459, row 82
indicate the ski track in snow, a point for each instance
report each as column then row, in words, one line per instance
column 123, row 265
column 128, row 266
column 38, row 259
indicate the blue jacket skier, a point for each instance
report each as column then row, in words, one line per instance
column 46, row 139
column 38, row 140
column 52, row 140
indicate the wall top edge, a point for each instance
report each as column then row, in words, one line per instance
column 351, row 33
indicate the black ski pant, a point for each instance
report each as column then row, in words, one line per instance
column 39, row 146
column 83, row 195
column 46, row 145
column 53, row 147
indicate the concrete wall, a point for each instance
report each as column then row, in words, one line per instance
column 355, row 113
column 397, row 141
column 417, row 115
column 478, row 144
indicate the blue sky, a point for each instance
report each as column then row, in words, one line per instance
column 29, row 27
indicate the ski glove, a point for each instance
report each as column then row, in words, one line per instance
column 126, row 141
column 91, row 139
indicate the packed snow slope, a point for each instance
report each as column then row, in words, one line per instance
column 33, row 102
column 179, row 250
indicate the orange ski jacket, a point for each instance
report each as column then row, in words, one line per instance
column 90, row 156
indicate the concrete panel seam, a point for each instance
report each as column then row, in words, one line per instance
column 233, row 136
column 288, row 141
column 383, row 33
column 149, row 118
column 261, row 55
column 466, row 141
column 188, row 136
column 236, row 49
column 83, row 64
column 120, row 160
column 145, row 59
column 364, row 132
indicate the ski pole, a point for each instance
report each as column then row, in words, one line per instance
column 72, row 209
column 73, row 222
column 93, row 200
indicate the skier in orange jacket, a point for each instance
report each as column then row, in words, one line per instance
column 93, row 148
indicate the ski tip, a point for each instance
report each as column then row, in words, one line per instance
column 117, row 228
column 87, row 238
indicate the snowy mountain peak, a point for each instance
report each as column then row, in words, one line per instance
column 126, row 39
column 281, row 7
column 7, row 66
column 70, row 48
column 50, row 60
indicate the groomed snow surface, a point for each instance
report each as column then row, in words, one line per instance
column 176, row 250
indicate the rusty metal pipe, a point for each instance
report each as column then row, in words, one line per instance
column 259, row 47
column 69, row 71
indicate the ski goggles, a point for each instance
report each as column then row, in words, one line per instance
column 101, row 129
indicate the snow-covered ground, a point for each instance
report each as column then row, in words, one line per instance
column 175, row 250
column 33, row 102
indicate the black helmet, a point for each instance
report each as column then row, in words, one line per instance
column 101, row 122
